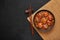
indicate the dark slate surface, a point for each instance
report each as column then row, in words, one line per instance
column 14, row 25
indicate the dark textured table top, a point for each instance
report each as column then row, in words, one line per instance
column 13, row 19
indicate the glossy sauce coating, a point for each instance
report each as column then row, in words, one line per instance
column 43, row 20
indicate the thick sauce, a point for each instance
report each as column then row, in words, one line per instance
column 44, row 20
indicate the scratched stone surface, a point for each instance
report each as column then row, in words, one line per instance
column 14, row 24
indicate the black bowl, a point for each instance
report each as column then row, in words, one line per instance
column 50, row 26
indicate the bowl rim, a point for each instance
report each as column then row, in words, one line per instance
column 53, row 19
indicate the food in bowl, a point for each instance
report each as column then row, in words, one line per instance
column 44, row 20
